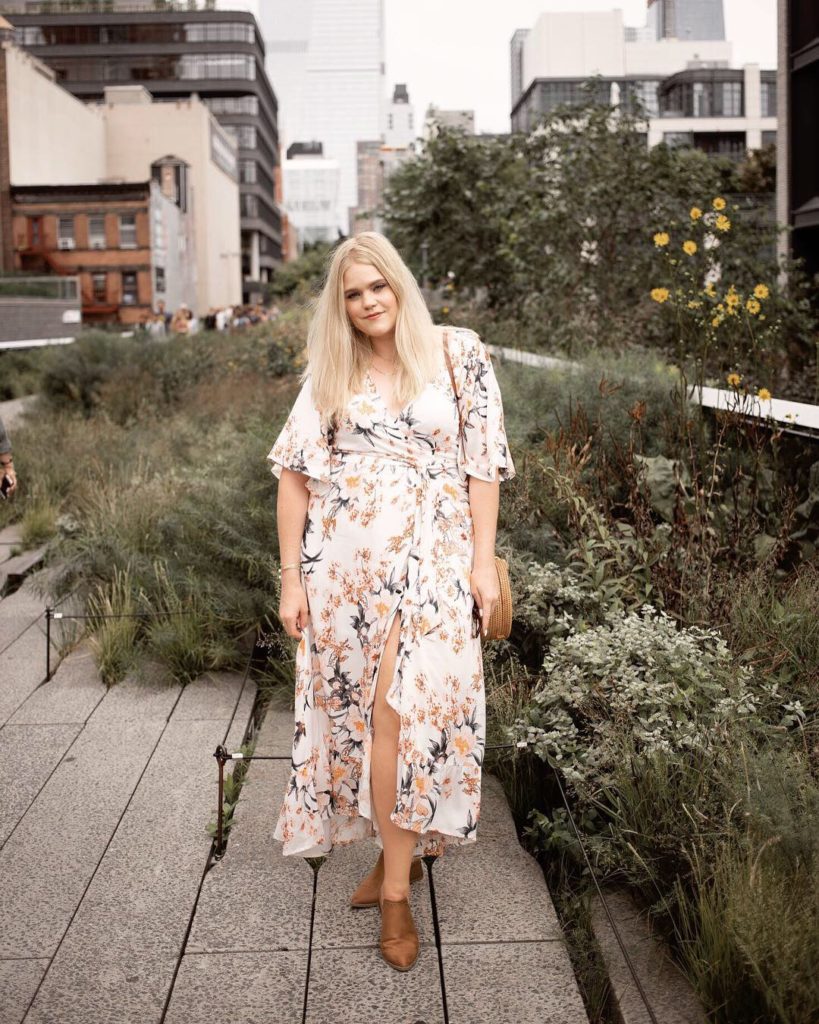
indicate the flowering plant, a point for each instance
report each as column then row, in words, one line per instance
column 718, row 318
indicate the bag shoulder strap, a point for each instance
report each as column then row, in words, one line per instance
column 452, row 380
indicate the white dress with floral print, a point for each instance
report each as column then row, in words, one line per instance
column 389, row 528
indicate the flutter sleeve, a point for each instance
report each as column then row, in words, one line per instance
column 303, row 443
column 486, row 452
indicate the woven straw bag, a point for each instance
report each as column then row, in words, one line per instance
column 500, row 621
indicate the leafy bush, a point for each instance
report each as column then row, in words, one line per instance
column 636, row 675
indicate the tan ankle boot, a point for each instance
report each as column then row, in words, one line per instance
column 399, row 943
column 366, row 895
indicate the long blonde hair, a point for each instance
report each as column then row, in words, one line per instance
column 338, row 353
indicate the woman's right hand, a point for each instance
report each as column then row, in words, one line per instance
column 293, row 608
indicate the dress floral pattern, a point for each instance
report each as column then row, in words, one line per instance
column 389, row 529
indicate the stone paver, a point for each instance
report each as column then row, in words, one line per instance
column 28, row 756
column 72, row 693
column 511, row 982
column 47, row 863
column 357, row 987
column 259, row 987
column 23, row 665
column 19, row 611
column 18, row 983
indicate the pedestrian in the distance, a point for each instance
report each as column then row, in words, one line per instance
column 7, row 472
column 387, row 513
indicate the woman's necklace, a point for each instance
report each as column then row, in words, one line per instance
column 385, row 373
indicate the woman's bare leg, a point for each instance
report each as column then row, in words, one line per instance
column 398, row 843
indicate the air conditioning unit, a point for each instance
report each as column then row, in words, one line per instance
column 97, row 243
column 65, row 243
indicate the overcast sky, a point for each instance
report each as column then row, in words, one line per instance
column 455, row 53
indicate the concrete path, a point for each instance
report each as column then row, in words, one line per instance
column 105, row 798
column 113, row 912
column 261, row 950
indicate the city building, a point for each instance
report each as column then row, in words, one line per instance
column 399, row 131
column 378, row 159
column 139, row 131
column 139, row 199
column 686, row 19
column 327, row 60
column 311, row 193
column 175, row 51
column 798, row 142
column 684, row 84
column 127, row 244
column 437, row 118
column 722, row 111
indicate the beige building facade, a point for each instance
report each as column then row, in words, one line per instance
column 139, row 132
column 50, row 131
column 51, row 140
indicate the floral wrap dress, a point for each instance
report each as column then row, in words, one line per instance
column 389, row 529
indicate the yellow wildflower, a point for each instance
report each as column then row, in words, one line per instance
column 719, row 203
column 734, row 379
column 661, row 238
column 660, row 294
column 694, row 304
column 731, row 299
column 696, row 213
column 710, row 290
column 689, row 247
column 716, row 321
column 764, row 395
column 753, row 306
column 445, row 310
column 723, row 223
column 761, row 291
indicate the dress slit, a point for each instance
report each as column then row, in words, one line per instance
column 374, row 686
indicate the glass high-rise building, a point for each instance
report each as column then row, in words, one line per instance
column 327, row 60
column 687, row 19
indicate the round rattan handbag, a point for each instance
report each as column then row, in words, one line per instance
column 500, row 621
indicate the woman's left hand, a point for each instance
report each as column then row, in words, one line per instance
column 483, row 582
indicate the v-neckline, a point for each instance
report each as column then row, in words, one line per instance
column 380, row 398
column 403, row 409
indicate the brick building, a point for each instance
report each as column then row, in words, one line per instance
column 107, row 235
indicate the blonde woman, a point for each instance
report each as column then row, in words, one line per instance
column 387, row 515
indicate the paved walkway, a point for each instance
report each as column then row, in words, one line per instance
column 112, row 912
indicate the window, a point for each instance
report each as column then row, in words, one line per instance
column 732, row 99
column 244, row 134
column 96, row 231
column 129, row 288
column 249, row 205
column 769, row 99
column 99, row 287
column 769, row 138
column 127, row 231
column 234, row 105
column 219, row 32
column 160, row 279
column 247, row 172
column 216, row 65
column 65, row 233
column 35, row 234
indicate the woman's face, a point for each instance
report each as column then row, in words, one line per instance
column 371, row 304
